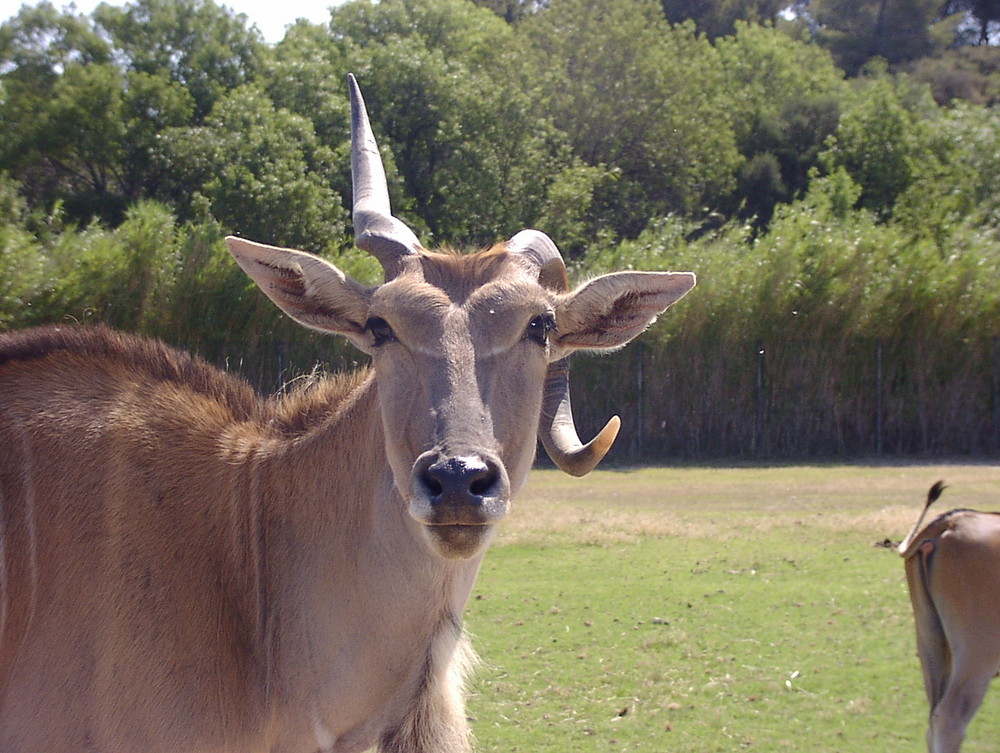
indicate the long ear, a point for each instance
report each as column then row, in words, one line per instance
column 612, row 309
column 310, row 290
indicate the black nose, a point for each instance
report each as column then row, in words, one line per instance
column 461, row 481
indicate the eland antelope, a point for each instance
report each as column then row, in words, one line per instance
column 953, row 574
column 186, row 566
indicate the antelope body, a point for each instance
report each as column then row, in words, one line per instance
column 185, row 566
column 953, row 574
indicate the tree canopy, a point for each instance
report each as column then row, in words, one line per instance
column 597, row 117
column 828, row 167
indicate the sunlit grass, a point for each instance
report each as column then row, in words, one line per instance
column 709, row 609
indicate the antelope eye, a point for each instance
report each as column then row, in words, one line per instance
column 538, row 329
column 380, row 330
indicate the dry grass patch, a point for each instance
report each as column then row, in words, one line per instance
column 723, row 502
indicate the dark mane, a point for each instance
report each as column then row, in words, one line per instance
column 293, row 413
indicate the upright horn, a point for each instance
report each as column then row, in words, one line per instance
column 375, row 229
column 557, row 429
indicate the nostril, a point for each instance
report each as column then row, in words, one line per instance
column 431, row 484
column 460, row 480
column 484, row 483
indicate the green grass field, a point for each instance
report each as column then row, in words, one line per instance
column 710, row 609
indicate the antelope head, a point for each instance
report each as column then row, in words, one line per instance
column 469, row 352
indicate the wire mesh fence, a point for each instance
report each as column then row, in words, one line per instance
column 912, row 395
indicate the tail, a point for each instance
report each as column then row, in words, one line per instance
column 932, row 497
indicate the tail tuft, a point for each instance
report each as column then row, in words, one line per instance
column 932, row 497
column 935, row 492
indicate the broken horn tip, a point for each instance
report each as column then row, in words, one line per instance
column 592, row 453
column 607, row 436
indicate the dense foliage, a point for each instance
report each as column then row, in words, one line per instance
column 825, row 188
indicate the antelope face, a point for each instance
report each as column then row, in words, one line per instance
column 460, row 347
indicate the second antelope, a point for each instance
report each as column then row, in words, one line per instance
column 953, row 573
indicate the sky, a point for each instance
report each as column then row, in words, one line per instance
column 270, row 16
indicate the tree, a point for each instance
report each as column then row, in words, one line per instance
column 954, row 180
column 85, row 100
column 66, row 143
column 202, row 46
column 639, row 98
column 856, row 31
column 37, row 43
column 717, row 18
column 512, row 11
column 307, row 76
column 980, row 20
column 258, row 170
column 84, row 137
column 458, row 121
column 783, row 96
column 151, row 104
column 883, row 140
column 60, row 96
column 970, row 73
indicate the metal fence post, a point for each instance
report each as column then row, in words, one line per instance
column 878, row 396
column 995, row 392
column 758, row 424
column 640, row 433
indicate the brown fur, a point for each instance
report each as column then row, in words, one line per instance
column 953, row 573
column 296, row 411
column 151, row 357
column 82, row 412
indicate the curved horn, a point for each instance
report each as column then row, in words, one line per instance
column 375, row 229
column 536, row 248
column 557, row 429
column 558, row 432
